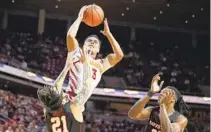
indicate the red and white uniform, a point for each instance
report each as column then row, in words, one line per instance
column 84, row 76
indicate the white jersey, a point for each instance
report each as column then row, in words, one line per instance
column 84, row 77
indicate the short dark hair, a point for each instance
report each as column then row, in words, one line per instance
column 51, row 98
column 180, row 104
column 95, row 36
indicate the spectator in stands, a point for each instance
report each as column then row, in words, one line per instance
column 33, row 126
column 1, row 129
column 4, row 111
column 23, row 65
column 20, row 128
column 9, row 129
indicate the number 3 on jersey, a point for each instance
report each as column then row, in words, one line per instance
column 59, row 124
column 94, row 71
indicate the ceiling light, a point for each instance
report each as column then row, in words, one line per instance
column 56, row 6
column 186, row 21
column 123, row 14
column 193, row 15
column 168, row 5
column 134, row 1
column 13, row 1
column 202, row 9
column 127, row 8
column 161, row 12
column 59, row 0
column 155, row 18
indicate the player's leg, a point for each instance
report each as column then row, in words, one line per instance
column 76, row 112
column 77, row 126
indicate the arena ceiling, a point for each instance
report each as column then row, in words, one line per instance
column 187, row 14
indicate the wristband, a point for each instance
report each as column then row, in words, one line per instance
column 150, row 94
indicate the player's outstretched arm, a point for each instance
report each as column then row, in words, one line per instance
column 72, row 43
column 118, row 54
column 58, row 83
column 138, row 111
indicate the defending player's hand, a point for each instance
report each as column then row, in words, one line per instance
column 155, row 88
column 106, row 30
column 81, row 12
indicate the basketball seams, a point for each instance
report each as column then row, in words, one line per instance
column 92, row 14
column 101, row 19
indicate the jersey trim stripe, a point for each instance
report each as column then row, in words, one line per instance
column 71, row 94
column 74, row 75
column 74, row 63
column 73, row 86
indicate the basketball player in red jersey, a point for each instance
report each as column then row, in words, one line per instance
column 163, row 118
column 86, row 72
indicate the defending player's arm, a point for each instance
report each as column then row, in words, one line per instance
column 166, row 125
column 118, row 54
column 60, row 79
column 72, row 43
column 58, row 83
column 138, row 111
column 57, row 86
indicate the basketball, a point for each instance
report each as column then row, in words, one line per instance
column 93, row 16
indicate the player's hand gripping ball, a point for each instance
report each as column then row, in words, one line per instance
column 93, row 15
column 81, row 12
